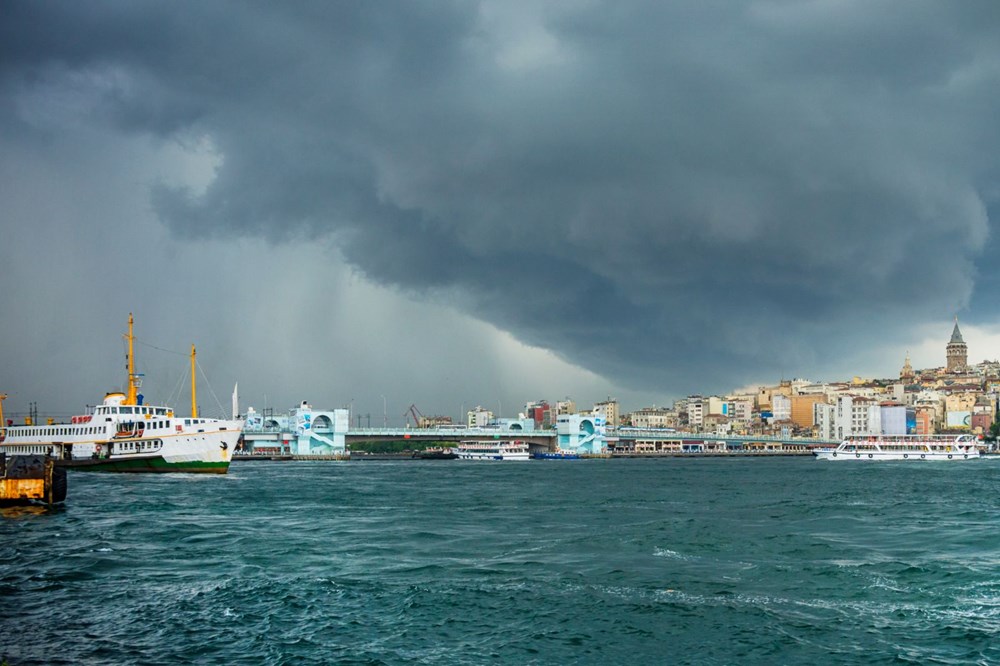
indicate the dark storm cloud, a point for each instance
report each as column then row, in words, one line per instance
column 659, row 192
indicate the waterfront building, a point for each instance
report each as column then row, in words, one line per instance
column 802, row 409
column 956, row 352
column 514, row 425
column 478, row 417
column 715, row 405
column 695, row 409
column 781, row 408
column 433, row 421
column 824, row 415
column 540, row 412
column 763, row 400
column 718, row 424
column 302, row 431
column 582, row 433
column 848, row 416
column 610, row 411
column 893, row 418
column 924, row 421
column 739, row 410
column 566, row 406
column 653, row 417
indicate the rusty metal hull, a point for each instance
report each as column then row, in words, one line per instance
column 31, row 479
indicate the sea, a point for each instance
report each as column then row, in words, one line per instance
column 665, row 561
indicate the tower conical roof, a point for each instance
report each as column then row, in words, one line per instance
column 956, row 335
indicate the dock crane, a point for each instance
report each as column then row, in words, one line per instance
column 418, row 418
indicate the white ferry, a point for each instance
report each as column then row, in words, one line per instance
column 904, row 447
column 492, row 450
column 123, row 435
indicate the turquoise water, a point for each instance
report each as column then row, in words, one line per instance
column 707, row 561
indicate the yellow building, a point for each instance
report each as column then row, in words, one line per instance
column 802, row 409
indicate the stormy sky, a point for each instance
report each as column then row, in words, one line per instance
column 455, row 203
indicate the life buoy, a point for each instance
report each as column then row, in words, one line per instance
column 869, row 455
column 906, row 455
column 857, row 455
column 922, row 456
column 966, row 456
column 949, row 456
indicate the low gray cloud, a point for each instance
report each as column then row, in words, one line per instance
column 674, row 196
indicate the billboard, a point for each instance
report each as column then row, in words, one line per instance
column 959, row 419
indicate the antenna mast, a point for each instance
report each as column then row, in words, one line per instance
column 194, row 387
column 133, row 389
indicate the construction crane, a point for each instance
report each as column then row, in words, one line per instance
column 418, row 418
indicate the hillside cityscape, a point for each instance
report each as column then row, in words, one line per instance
column 957, row 397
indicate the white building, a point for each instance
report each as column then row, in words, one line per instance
column 893, row 419
column 478, row 418
column 739, row 409
column 849, row 416
column 695, row 412
column 303, row 430
column 781, row 407
column 581, row 433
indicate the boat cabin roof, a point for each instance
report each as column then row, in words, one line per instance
column 134, row 409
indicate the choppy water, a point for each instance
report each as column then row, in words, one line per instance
column 710, row 561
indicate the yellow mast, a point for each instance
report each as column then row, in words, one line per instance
column 133, row 390
column 194, row 387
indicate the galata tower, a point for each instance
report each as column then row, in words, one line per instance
column 957, row 352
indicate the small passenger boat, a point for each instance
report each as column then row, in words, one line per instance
column 904, row 447
column 556, row 455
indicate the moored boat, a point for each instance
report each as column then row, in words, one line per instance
column 436, row 453
column 904, row 447
column 124, row 435
column 556, row 455
column 493, row 449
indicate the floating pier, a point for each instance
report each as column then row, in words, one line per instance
column 31, row 479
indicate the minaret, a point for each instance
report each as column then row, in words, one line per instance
column 907, row 371
column 956, row 352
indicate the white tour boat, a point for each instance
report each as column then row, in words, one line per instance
column 493, row 450
column 123, row 435
column 904, row 447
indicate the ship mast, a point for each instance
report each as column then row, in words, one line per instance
column 3, row 424
column 133, row 388
column 194, row 388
